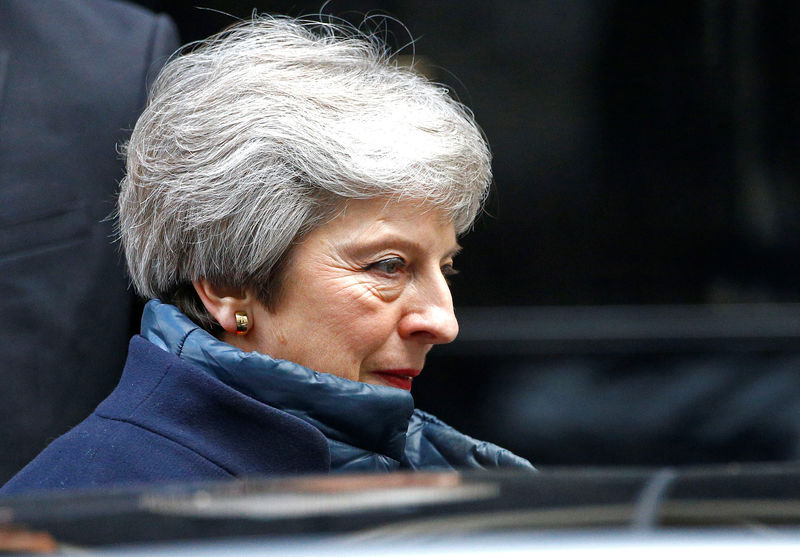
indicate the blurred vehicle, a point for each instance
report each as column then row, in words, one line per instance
column 734, row 508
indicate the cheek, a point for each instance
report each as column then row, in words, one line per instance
column 351, row 312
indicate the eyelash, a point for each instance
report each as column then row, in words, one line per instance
column 448, row 270
column 384, row 262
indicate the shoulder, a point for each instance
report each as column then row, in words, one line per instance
column 168, row 420
column 186, row 405
column 85, row 23
column 122, row 26
column 101, row 452
column 87, row 44
column 116, row 19
column 123, row 441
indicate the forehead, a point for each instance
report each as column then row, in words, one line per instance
column 393, row 209
column 408, row 220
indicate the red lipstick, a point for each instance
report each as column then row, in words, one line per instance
column 399, row 378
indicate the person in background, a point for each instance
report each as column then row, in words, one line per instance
column 72, row 83
column 292, row 207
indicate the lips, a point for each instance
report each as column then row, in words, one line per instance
column 399, row 378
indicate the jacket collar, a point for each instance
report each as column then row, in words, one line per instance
column 370, row 417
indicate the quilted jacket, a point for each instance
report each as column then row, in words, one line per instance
column 190, row 407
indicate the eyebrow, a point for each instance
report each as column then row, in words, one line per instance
column 392, row 240
column 455, row 251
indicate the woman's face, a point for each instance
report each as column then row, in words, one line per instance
column 365, row 296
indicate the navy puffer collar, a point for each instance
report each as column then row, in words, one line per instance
column 377, row 428
column 368, row 427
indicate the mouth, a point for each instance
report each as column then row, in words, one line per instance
column 399, row 378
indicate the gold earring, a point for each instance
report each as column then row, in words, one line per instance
column 242, row 323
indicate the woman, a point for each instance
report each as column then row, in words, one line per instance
column 291, row 205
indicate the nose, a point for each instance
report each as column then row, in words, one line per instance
column 429, row 316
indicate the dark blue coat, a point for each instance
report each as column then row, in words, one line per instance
column 190, row 407
column 169, row 421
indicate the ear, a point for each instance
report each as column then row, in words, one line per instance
column 224, row 302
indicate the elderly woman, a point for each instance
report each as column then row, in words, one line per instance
column 292, row 205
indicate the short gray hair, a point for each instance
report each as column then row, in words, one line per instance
column 259, row 134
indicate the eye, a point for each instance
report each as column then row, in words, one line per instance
column 449, row 271
column 389, row 266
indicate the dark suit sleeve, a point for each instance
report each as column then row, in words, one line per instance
column 72, row 83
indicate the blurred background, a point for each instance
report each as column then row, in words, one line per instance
column 628, row 298
column 644, row 153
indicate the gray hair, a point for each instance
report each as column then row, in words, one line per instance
column 254, row 137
